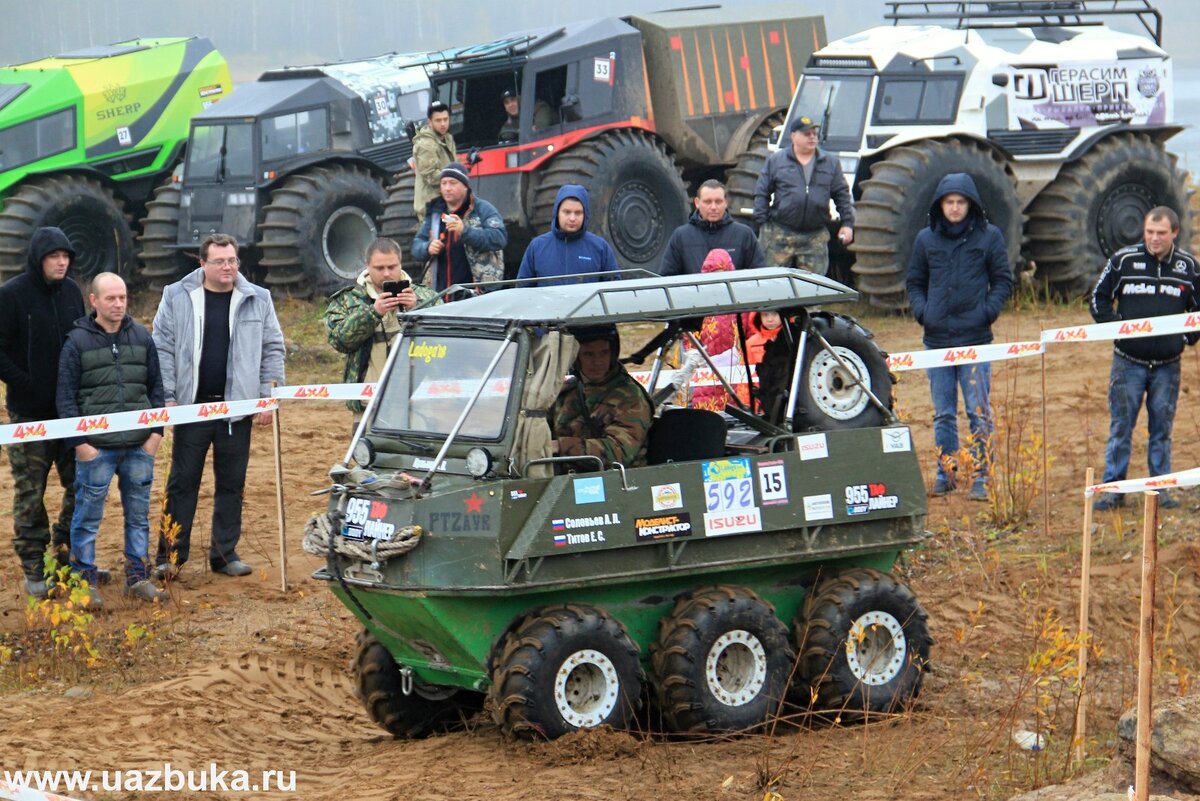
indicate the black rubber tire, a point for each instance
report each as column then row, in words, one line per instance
column 427, row 710
column 1096, row 206
column 161, row 265
column 894, row 205
column 91, row 216
column 399, row 220
column 316, row 229
column 829, row 400
column 832, row 638
column 743, row 175
column 721, row 662
column 636, row 197
column 528, row 699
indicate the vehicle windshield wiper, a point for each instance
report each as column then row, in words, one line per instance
column 827, row 114
column 416, row 446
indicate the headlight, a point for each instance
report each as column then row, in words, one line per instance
column 364, row 452
column 479, row 462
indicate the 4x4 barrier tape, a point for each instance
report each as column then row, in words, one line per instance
column 10, row 792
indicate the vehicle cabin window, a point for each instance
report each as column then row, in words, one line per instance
column 289, row 135
column 917, row 100
column 205, row 161
column 549, row 87
column 37, row 139
column 477, row 107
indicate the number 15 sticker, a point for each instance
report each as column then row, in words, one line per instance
column 772, row 483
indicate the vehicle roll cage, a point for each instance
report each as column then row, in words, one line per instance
column 975, row 14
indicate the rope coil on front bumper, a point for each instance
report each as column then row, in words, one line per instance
column 319, row 532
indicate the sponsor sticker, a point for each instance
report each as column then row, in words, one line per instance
column 663, row 527
column 818, row 507
column 772, row 483
column 425, row 352
column 666, row 496
column 812, row 446
column 365, row 520
column 458, row 522
column 589, row 490
column 864, row 498
column 213, row 89
column 896, row 440
column 720, row 525
column 426, row 464
column 729, row 498
column 592, row 521
column 518, row 494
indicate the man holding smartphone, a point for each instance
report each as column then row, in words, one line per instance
column 361, row 320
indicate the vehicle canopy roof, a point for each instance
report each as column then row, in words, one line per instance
column 645, row 299
column 274, row 97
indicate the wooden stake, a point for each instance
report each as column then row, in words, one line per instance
column 1046, row 458
column 275, row 430
column 1145, row 707
column 1085, row 588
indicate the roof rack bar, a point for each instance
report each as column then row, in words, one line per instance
column 974, row 14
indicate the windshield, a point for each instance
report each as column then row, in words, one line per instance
column 217, row 152
column 37, row 139
column 433, row 378
column 839, row 104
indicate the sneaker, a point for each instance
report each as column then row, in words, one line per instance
column 95, row 602
column 1168, row 502
column 235, row 568
column 166, row 571
column 146, row 591
column 978, row 492
column 943, row 486
column 37, row 589
column 103, row 577
column 1108, row 501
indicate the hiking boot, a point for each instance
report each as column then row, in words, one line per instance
column 1108, row 501
column 103, row 577
column 978, row 491
column 166, row 571
column 235, row 568
column 943, row 486
column 37, row 589
column 95, row 602
column 145, row 590
column 1167, row 501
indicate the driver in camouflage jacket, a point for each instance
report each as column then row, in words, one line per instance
column 601, row 411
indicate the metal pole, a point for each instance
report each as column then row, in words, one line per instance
column 276, row 435
column 393, row 349
column 1145, row 706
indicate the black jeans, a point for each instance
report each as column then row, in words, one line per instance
column 231, row 454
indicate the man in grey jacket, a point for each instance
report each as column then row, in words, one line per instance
column 218, row 340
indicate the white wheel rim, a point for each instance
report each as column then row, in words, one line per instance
column 833, row 389
column 586, row 689
column 344, row 241
column 876, row 648
column 736, row 668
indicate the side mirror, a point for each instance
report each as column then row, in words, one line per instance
column 473, row 157
column 569, row 108
column 1000, row 79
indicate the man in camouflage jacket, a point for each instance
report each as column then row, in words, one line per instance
column 362, row 319
column 601, row 410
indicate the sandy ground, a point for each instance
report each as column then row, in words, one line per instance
column 238, row 673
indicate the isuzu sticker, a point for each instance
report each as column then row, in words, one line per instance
column 812, row 446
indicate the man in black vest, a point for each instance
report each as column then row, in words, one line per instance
column 109, row 364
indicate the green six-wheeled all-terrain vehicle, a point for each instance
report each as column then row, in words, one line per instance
column 749, row 557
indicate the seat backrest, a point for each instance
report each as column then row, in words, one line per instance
column 682, row 435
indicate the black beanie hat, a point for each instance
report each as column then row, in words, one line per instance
column 457, row 172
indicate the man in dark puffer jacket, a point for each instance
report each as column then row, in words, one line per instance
column 959, row 278
column 710, row 226
column 109, row 364
column 37, row 309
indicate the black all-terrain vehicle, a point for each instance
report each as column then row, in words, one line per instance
column 746, row 559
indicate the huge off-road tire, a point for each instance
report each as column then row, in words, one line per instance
column 894, row 206
column 566, row 668
column 832, row 397
column 91, row 216
column 316, row 229
column 636, row 196
column 427, row 710
column 161, row 264
column 399, row 220
column 1096, row 206
column 864, row 642
column 743, row 175
column 721, row 662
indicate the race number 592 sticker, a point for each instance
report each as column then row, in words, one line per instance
column 729, row 498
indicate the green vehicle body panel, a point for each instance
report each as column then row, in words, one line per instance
column 774, row 514
column 133, row 103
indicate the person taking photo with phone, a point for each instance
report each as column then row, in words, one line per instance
column 361, row 320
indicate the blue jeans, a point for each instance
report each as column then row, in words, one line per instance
column 975, row 380
column 134, row 469
column 1127, row 385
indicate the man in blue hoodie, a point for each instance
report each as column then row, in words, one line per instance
column 959, row 278
column 569, row 248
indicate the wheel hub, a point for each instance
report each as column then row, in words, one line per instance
column 876, row 648
column 586, row 688
column 347, row 234
column 736, row 668
column 635, row 221
column 1121, row 214
column 834, row 390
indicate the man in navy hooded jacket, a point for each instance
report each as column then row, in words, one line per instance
column 959, row 278
column 569, row 248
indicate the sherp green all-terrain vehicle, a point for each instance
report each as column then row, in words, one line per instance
column 748, row 557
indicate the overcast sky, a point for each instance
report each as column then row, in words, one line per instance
column 255, row 35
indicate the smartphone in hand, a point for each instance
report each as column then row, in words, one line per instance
column 395, row 287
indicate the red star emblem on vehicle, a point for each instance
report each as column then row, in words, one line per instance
column 474, row 504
